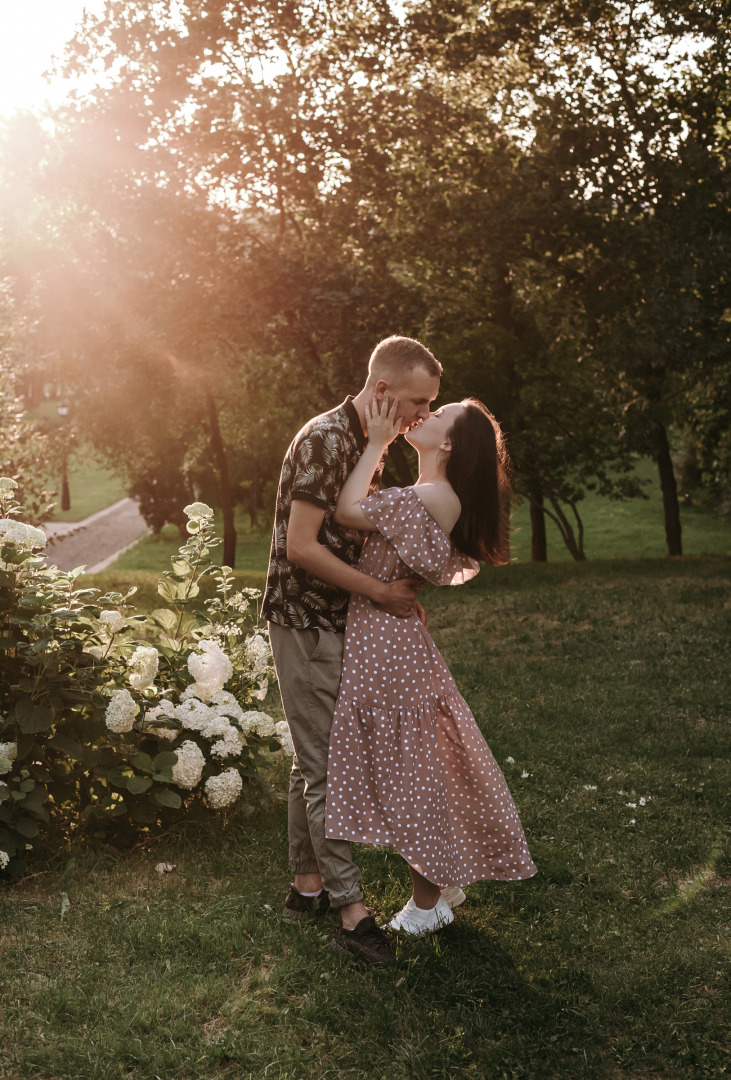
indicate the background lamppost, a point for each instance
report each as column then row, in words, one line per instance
column 63, row 411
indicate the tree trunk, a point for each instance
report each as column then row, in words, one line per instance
column 671, row 509
column 219, row 455
column 254, row 495
column 538, row 541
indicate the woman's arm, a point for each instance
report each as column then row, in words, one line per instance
column 382, row 428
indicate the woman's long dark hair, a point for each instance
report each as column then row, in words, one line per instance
column 479, row 471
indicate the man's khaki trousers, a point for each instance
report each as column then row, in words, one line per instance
column 309, row 664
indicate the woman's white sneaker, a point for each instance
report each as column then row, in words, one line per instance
column 417, row 921
column 453, row 896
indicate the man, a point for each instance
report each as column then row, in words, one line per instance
column 312, row 571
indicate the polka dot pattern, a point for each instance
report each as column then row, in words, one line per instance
column 408, row 766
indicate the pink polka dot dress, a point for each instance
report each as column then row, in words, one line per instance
column 408, row 766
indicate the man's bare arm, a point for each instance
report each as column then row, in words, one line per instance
column 305, row 550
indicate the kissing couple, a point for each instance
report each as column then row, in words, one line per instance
column 386, row 751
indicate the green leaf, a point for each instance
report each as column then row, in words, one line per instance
column 27, row 785
column 40, row 718
column 164, row 777
column 165, row 618
column 118, row 776
column 170, row 590
column 168, row 798
column 165, row 759
column 182, row 567
column 67, row 746
column 143, row 762
column 26, row 827
column 138, row 784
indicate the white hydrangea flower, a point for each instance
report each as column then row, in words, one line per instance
column 285, row 737
column 143, row 665
column 258, row 654
column 23, row 536
column 9, row 750
column 198, row 510
column 193, row 714
column 114, row 621
column 211, row 669
column 188, row 768
column 120, row 714
column 8, row 484
column 224, row 789
column 257, row 722
column 5, row 859
column 229, row 746
column 165, row 708
column 225, row 704
column 97, row 651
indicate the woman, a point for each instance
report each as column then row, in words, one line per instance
column 408, row 767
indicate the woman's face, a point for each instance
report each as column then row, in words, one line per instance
column 431, row 433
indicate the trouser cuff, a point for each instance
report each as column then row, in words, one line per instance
column 338, row 900
column 304, row 866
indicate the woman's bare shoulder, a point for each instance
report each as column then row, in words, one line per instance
column 442, row 502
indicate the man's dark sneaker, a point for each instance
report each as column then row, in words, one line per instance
column 367, row 941
column 297, row 906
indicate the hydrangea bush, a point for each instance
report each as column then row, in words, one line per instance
column 111, row 715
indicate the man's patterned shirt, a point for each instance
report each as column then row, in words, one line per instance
column 320, row 459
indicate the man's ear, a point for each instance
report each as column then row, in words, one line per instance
column 381, row 388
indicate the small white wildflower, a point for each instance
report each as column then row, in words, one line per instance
column 165, row 708
column 632, row 821
column 143, row 665
column 509, row 761
column 643, row 801
column 23, row 536
column 211, row 669
column 285, row 737
column 114, row 621
column 224, row 789
column 198, row 510
column 193, row 714
column 631, row 805
column 589, row 787
column 261, row 692
column 120, row 714
column 165, row 867
column 188, row 768
column 4, row 859
column 524, row 775
column 7, row 484
column 9, row 750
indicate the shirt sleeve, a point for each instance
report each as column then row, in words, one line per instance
column 315, row 468
column 400, row 517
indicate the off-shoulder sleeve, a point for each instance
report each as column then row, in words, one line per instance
column 400, row 516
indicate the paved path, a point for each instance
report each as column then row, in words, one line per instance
column 97, row 540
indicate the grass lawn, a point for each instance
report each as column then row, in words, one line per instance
column 153, row 553
column 92, row 487
column 606, row 684
column 632, row 529
column 613, row 530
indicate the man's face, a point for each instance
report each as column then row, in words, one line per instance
column 415, row 394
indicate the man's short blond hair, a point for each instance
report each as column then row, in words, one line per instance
column 396, row 358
